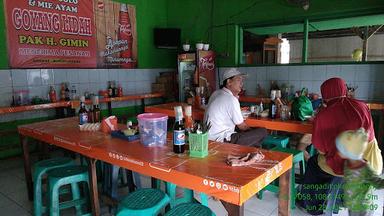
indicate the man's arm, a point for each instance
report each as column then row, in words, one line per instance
column 243, row 126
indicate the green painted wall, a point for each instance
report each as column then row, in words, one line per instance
column 198, row 21
column 149, row 14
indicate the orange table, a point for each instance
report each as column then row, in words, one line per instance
column 210, row 175
column 5, row 110
column 271, row 124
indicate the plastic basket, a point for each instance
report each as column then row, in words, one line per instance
column 198, row 145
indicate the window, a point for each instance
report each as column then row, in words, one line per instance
column 340, row 40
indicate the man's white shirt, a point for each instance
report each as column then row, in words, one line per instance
column 224, row 113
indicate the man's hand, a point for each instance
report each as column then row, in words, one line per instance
column 243, row 126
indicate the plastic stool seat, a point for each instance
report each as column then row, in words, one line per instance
column 70, row 175
column 40, row 169
column 189, row 209
column 68, row 171
column 275, row 141
column 147, row 201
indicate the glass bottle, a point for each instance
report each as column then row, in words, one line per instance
column 67, row 92
column 96, row 109
column 110, row 90
column 178, row 131
column 52, row 94
column 83, row 114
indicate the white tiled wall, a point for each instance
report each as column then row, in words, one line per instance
column 369, row 78
column 37, row 81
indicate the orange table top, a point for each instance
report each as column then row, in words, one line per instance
column 271, row 124
column 255, row 99
column 5, row 110
column 210, row 175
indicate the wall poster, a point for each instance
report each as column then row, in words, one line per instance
column 71, row 34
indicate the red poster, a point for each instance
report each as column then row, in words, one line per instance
column 70, row 34
column 206, row 63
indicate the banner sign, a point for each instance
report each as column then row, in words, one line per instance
column 70, row 34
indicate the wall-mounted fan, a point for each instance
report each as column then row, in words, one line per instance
column 302, row 3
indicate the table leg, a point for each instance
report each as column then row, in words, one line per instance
column 27, row 166
column 232, row 209
column 93, row 186
column 284, row 193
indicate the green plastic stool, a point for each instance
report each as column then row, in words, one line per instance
column 40, row 169
column 272, row 141
column 188, row 209
column 59, row 177
column 143, row 202
column 298, row 157
column 186, row 198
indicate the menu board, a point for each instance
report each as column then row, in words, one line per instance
column 70, row 34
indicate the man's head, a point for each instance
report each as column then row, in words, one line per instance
column 233, row 80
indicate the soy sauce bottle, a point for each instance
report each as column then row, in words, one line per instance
column 178, row 131
column 83, row 113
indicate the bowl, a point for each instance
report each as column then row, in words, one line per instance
column 186, row 47
column 199, row 46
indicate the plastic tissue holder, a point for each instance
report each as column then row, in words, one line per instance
column 198, row 145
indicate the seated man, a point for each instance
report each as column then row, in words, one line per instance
column 224, row 114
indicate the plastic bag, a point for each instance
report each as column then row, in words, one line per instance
column 373, row 156
column 302, row 107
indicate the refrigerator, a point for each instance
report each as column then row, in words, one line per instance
column 197, row 69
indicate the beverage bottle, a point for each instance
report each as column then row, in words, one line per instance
column 96, row 109
column 62, row 92
column 114, row 89
column 119, row 91
column 188, row 121
column 125, row 34
column 73, row 92
column 272, row 110
column 83, row 114
column 178, row 131
column 52, row 95
column 110, row 90
column 67, row 92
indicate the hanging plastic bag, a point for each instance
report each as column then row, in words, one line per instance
column 302, row 107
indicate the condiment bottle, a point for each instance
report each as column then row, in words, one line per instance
column 178, row 131
column 52, row 95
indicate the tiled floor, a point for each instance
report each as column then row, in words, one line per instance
column 14, row 201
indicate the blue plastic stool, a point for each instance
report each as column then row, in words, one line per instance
column 189, row 209
column 40, row 169
column 70, row 175
column 272, row 141
column 143, row 202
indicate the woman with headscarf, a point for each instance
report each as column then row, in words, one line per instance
column 340, row 114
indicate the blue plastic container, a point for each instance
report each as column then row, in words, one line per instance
column 153, row 129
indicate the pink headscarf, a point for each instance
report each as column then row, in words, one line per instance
column 341, row 114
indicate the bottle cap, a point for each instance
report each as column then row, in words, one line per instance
column 188, row 110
